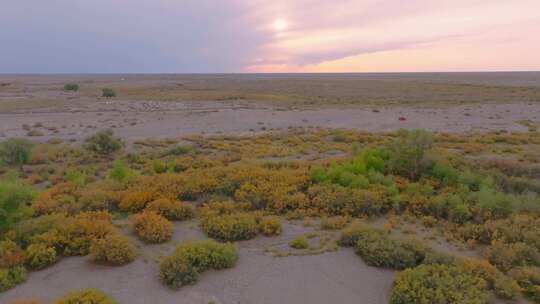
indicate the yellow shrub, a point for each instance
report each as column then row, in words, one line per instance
column 86, row 296
column 114, row 249
column 135, row 201
column 270, row 226
column 502, row 285
column 172, row 210
column 334, row 222
column 152, row 227
column 39, row 256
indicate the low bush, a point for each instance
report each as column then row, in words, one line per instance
column 191, row 258
column 135, row 200
column 505, row 256
column 108, row 92
column 350, row 235
column 172, row 210
column 438, row 284
column 230, row 227
column 503, row 286
column 334, row 222
column 377, row 248
column 152, row 227
column 299, row 243
column 39, row 256
column 529, row 280
column 407, row 155
column 103, row 142
column 86, row 296
column 25, row 301
column 15, row 152
column 71, row 87
column 114, row 249
column 270, row 225
column 10, row 254
column 10, row 277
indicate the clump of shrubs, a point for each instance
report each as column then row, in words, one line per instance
column 190, row 259
column 270, row 226
column 39, row 256
column 152, row 227
column 377, row 248
column 12, row 276
column 438, row 284
column 103, row 142
column 299, row 243
column 334, row 222
column 230, row 227
column 108, row 92
column 528, row 279
column 86, row 296
column 508, row 255
column 71, row 87
column 502, row 285
column 172, row 210
column 10, row 254
column 15, row 152
column 114, row 249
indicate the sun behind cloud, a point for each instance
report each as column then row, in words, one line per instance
column 280, row 25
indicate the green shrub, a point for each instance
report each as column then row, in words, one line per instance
column 15, row 152
column 121, row 173
column 180, row 150
column 191, row 258
column 114, row 249
column 15, row 196
column 172, row 210
column 270, row 225
column 299, row 243
column 71, row 87
column 39, row 256
column 230, row 227
column 377, row 249
column 10, row 277
column 407, row 155
column 103, row 142
column 108, row 92
column 427, row 284
column 86, row 296
column 152, row 227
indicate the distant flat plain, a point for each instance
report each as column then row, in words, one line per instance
column 172, row 105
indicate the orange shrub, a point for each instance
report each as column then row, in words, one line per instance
column 60, row 198
column 270, row 226
column 10, row 254
column 135, row 201
column 152, row 227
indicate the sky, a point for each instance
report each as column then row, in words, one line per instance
column 245, row 36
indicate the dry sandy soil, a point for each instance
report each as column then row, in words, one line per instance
column 259, row 277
